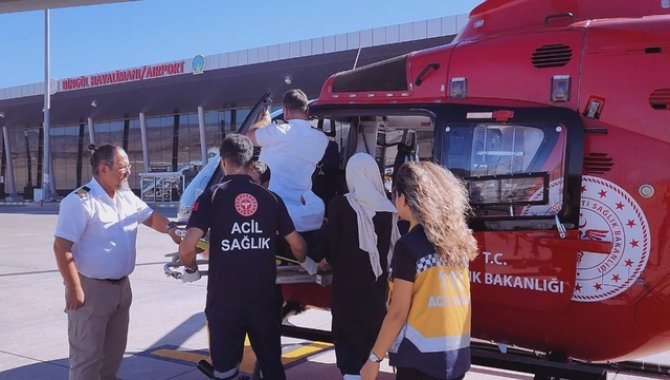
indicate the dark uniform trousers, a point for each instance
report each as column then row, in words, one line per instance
column 98, row 331
column 414, row 374
column 228, row 329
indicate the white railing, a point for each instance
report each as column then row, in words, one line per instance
column 161, row 187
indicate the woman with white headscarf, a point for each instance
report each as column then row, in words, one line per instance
column 362, row 232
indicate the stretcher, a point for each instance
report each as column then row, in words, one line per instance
column 288, row 270
column 286, row 274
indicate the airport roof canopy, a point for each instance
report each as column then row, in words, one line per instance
column 233, row 87
column 9, row 6
column 228, row 80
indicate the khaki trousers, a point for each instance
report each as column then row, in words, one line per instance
column 98, row 331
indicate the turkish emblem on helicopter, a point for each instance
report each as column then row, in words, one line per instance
column 609, row 214
column 246, row 204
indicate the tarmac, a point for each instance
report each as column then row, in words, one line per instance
column 167, row 334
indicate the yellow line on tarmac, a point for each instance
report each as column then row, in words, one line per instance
column 180, row 355
column 248, row 358
column 305, row 350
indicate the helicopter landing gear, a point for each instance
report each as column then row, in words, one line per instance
column 552, row 357
column 553, row 366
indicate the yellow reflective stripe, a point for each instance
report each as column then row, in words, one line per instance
column 436, row 344
column 226, row 374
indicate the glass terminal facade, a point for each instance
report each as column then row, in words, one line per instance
column 173, row 141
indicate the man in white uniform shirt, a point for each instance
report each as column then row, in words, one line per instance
column 94, row 247
column 292, row 151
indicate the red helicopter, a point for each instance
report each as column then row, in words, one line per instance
column 556, row 114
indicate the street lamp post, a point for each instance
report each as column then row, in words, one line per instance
column 46, row 182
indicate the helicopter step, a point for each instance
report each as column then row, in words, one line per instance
column 488, row 355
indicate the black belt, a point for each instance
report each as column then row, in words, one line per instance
column 112, row 280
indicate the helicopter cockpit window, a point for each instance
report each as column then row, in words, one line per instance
column 391, row 138
column 510, row 170
column 394, row 140
column 503, row 150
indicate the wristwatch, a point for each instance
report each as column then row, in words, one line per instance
column 374, row 358
column 171, row 225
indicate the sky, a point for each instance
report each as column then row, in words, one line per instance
column 101, row 38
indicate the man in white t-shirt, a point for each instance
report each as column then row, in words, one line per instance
column 292, row 151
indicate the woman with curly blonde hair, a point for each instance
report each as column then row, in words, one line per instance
column 426, row 330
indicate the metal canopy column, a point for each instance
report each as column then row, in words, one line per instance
column 203, row 142
column 9, row 173
column 46, row 182
column 91, row 133
column 145, row 145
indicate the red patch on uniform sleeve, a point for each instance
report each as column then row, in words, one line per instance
column 195, row 206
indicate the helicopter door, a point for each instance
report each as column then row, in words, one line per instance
column 521, row 171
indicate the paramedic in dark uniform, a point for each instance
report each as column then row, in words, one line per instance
column 94, row 247
column 243, row 219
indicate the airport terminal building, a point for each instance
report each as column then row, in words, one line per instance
column 168, row 115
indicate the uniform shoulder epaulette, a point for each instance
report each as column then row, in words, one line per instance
column 83, row 192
